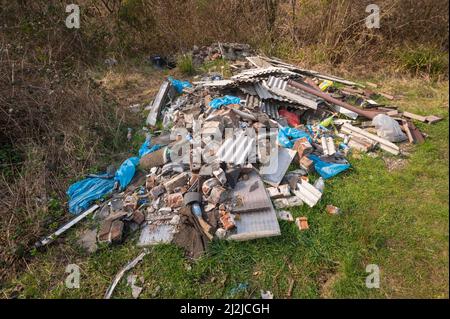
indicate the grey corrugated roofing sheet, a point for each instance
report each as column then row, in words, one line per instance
column 236, row 149
column 270, row 109
column 280, row 87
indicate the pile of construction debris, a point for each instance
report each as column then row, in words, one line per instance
column 235, row 153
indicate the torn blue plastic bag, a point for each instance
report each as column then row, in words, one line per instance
column 147, row 148
column 83, row 193
column 226, row 100
column 126, row 171
column 288, row 135
column 326, row 169
column 179, row 85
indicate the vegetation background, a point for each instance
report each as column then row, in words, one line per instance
column 58, row 122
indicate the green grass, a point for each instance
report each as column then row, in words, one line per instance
column 185, row 64
column 395, row 219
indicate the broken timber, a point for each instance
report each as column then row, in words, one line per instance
column 384, row 144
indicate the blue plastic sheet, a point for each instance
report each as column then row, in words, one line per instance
column 226, row 100
column 126, row 171
column 84, row 192
column 288, row 135
column 179, row 85
column 325, row 169
column 147, row 148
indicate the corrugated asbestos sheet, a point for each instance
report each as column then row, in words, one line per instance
column 270, row 109
column 247, row 88
column 262, row 92
column 252, row 102
column 252, row 73
column 236, row 150
column 280, row 87
column 276, row 62
column 255, row 222
column 216, row 83
column 259, row 62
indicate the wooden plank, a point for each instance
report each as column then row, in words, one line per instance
column 415, row 116
column 384, row 144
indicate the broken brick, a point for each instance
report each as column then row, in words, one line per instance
column 130, row 202
column 175, row 200
column 227, row 220
column 306, row 164
column 302, row 223
column 156, row 191
column 138, row 217
column 218, row 195
column 176, row 181
column 115, row 234
column 303, row 147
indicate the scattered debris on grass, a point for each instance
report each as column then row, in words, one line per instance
column 224, row 160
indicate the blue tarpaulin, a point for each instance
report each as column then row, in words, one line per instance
column 84, row 192
column 226, row 100
column 326, row 169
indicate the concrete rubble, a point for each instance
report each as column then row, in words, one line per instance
column 231, row 171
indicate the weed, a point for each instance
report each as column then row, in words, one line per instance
column 185, row 64
column 422, row 60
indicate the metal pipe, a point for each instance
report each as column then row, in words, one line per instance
column 328, row 98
